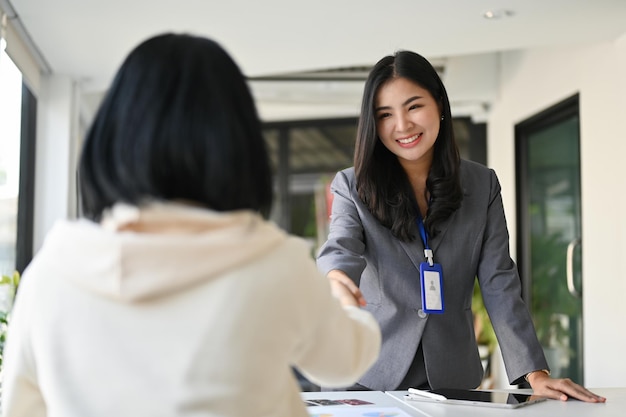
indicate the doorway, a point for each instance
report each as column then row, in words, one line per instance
column 549, row 245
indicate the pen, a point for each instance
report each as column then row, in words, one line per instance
column 417, row 394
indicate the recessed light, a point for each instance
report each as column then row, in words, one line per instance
column 497, row 14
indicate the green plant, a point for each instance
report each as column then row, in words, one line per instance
column 8, row 284
column 550, row 299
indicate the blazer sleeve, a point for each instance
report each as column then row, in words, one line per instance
column 344, row 248
column 502, row 293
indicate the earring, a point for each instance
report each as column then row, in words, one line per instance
column 442, row 117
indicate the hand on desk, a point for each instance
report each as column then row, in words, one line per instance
column 561, row 389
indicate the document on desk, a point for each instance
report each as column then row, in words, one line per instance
column 339, row 411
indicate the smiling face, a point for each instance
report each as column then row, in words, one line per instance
column 407, row 121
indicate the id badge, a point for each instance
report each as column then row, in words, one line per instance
column 431, row 281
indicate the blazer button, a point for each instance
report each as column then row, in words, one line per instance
column 421, row 314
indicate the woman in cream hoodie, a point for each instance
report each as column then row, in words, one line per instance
column 174, row 296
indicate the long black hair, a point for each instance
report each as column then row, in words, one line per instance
column 178, row 123
column 381, row 181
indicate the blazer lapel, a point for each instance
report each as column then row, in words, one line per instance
column 443, row 228
column 415, row 249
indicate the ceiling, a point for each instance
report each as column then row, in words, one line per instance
column 87, row 39
column 297, row 54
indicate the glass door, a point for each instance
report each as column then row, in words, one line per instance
column 549, row 232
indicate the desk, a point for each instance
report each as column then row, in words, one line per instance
column 378, row 399
column 614, row 407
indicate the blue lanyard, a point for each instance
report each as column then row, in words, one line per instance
column 428, row 253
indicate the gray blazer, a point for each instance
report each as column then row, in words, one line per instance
column 473, row 242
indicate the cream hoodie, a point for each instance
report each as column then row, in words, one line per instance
column 176, row 311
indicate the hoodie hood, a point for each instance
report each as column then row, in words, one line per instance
column 139, row 253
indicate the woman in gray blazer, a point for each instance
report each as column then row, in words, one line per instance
column 412, row 218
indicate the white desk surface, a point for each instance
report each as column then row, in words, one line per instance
column 378, row 398
column 615, row 405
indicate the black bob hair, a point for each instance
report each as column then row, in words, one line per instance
column 177, row 124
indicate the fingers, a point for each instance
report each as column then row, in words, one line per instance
column 341, row 277
column 343, row 294
column 352, row 290
column 562, row 389
column 356, row 292
column 573, row 390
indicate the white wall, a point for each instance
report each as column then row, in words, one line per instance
column 531, row 81
column 55, row 178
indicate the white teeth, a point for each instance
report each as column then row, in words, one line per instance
column 408, row 140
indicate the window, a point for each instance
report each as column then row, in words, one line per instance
column 10, row 127
column 305, row 155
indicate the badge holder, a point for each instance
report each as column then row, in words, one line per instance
column 431, row 282
column 431, row 277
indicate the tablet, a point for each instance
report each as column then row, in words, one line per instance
column 485, row 398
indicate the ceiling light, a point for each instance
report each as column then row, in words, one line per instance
column 497, row 14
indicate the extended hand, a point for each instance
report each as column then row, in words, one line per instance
column 345, row 289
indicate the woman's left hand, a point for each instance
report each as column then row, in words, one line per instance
column 560, row 389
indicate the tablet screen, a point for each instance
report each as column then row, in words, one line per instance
column 488, row 398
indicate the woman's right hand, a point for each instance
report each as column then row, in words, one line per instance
column 345, row 290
